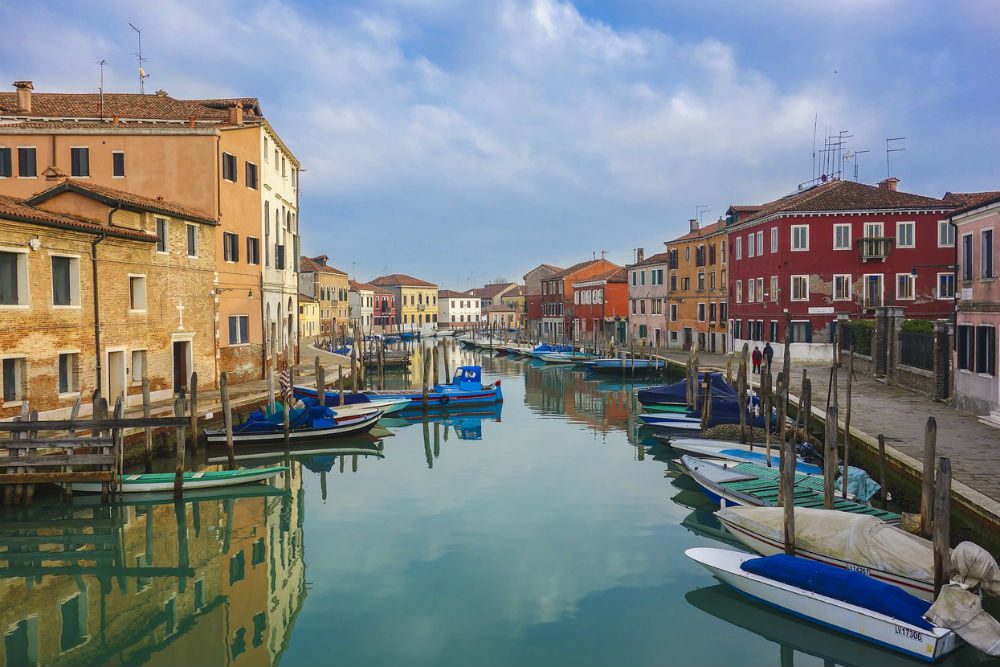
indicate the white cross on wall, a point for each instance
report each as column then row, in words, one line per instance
column 180, row 315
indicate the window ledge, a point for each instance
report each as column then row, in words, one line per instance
column 987, row 280
column 11, row 404
column 69, row 307
column 69, row 394
column 136, row 311
column 15, row 306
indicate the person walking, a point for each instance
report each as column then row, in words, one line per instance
column 756, row 357
column 768, row 354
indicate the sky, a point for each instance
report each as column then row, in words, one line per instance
column 463, row 142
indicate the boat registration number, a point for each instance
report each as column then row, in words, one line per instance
column 859, row 568
column 909, row 633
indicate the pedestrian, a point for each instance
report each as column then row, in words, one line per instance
column 756, row 357
column 768, row 354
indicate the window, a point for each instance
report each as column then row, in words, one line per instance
column 118, row 164
column 904, row 235
column 137, row 292
column 80, row 161
column 279, row 256
column 258, row 552
column 774, row 288
column 13, row 278
column 253, row 250
column 751, row 246
column 800, row 288
column 251, row 175
column 966, row 348
column 642, row 277
column 904, row 287
column 686, row 283
column 192, row 241
column 701, row 312
column 239, row 329
column 26, row 162
column 800, row 237
column 161, row 235
column 642, row 306
column 967, row 257
column 841, row 237
column 5, row 166
column 739, row 247
column 673, row 312
column 801, row 332
column 65, row 281
column 760, row 242
column 739, row 291
column 138, row 365
column 230, row 247
column 69, row 376
column 701, row 281
column 986, row 253
column 946, row 234
column 711, row 280
column 15, row 374
column 842, row 287
column 946, row 285
column 751, row 290
column 774, row 331
column 774, row 239
column 873, row 290
column 229, row 167
column 74, row 622
column 711, row 312
column 986, row 350
column 673, row 282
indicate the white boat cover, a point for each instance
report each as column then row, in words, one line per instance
column 855, row 538
column 960, row 609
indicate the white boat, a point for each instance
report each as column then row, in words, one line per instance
column 164, row 481
column 929, row 643
column 387, row 406
column 864, row 544
column 736, row 451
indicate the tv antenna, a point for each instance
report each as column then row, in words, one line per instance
column 888, row 150
column 141, row 60
column 700, row 210
column 854, row 156
column 100, row 90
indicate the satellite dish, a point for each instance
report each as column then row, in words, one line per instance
column 142, row 72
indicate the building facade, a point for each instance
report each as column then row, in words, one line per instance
column 600, row 307
column 362, row 304
column 975, row 225
column 329, row 286
column 502, row 317
column 557, row 297
column 308, row 318
column 458, row 310
column 840, row 248
column 696, row 308
column 492, row 293
column 416, row 301
column 647, row 298
column 533, row 296
column 384, row 310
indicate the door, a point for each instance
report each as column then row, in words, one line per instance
column 182, row 364
column 688, row 338
column 116, row 376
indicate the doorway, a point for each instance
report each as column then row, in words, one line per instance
column 182, row 364
column 116, row 376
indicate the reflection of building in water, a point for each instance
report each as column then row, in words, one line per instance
column 213, row 581
column 564, row 391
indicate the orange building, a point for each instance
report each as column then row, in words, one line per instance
column 600, row 306
column 558, row 307
column 697, row 305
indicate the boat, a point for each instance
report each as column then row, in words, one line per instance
column 734, row 451
column 841, row 600
column 164, row 481
column 564, row 357
column 627, row 365
column 676, row 392
column 309, row 423
column 466, row 389
column 537, row 351
column 672, row 421
column 751, row 484
column 387, row 406
column 725, row 410
column 362, row 400
column 860, row 543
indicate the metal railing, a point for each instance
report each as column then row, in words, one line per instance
column 873, row 247
column 917, row 350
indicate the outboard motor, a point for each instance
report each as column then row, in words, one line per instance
column 809, row 453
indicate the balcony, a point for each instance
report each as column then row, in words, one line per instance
column 875, row 247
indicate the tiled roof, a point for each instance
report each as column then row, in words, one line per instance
column 317, row 265
column 658, row 258
column 745, row 208
column 968, row 201
column 452, row 294
column 490, row 291
column 157, row 106
column 500, row 308
column 400, row 280
column 516, row 292
column 16, row 209
column 360, row 287
column 702, row 232
column 122, row 199
column 305, row 298
column 382, row 290
column 616, row 275
column 848, row 196
column 573, row 269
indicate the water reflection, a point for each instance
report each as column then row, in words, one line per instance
column 214, row 579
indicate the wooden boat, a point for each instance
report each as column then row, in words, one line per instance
column 669, row 409
column 750, row 484
column 164, row 481
column 627, row 365
column 466, row 389
column 387, row 406
column 564, row 357
column 843, row 601
column 270, row 431
column 734, row 451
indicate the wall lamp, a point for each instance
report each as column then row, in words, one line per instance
column 220, row 290
column 913, row 271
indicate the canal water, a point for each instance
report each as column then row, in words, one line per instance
column 545, row 532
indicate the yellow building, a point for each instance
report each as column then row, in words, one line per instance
column 308, row 317
column 502, row 316
column 515, row 298
column 416, row 301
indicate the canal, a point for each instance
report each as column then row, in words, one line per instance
column 544, row 532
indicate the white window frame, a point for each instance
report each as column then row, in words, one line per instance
column 166, row 235
column 937, row 287
column 912, row 281
column 21, row 377
column 774, row 239
column 945, row 225
column 236, row 167
column 751, row 245
column 850, row 287
column 701, row 311
column 124, row 164
column 774, row 288
column 805, row 279
column 197, row 241
column 900, row 225
column 864, row 288
column 739, row 247
column 145, row 285
column 23, row 292
column 760, row 290
column 751, row 290
column 760, row 242
column 75, row 379
column 739, row 291
column 839, row 226
column 983, row 255
column 792, row 231
column 74, row 282
column 18, row 149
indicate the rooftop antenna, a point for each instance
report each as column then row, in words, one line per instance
column 700, row 210
column 141, row 60
column 888, row 171
column 815, row 121
column 604, row 254
column 841, row 136
column 854, row 156
column 101, row 89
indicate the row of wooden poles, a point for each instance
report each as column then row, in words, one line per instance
column 935, row 499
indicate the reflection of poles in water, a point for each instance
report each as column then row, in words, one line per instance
column 788, row 656
column 341, row 465
column 437, row 439
column 227, row 537
column 322, row 484
column 182, row 543
column 196, row 518
column 446, row 433
column 354, row 462
column 149, row 535
column 427, row 446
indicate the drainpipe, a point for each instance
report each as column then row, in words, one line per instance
column 97, row 299
column 954, row 297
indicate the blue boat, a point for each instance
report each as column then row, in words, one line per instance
column 466, row 388
column 545, row 348
column 626, row 365
column 312, row 422
column 407, row 335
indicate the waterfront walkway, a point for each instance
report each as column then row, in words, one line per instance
column 901, row 417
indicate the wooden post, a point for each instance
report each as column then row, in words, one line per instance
column 434, row 364
column 354, row 367
column 729, row 368
column 942, row 525
column 227, row 415
column 340, row 384
column 706, row 410
column 270, row 388
column 766, row 401
column 881, row 468
column 829, row 457
column 927, row 489
column 447, row 363
column 146, row 411
column 317, row 367
column 180, row 442
column 73, row 415
column 193, row 406
column 695, row 387
column 788, row 493
column 424, row 380
column 806, row 406
column 847, row 420
column 742, row 382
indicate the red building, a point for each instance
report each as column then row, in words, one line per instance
column 384, row 308
column 600, row 305
column 557, row 296
column 840, row 248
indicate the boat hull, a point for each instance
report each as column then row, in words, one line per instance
column 347, row 426
column 161, row 482
column 834, row 614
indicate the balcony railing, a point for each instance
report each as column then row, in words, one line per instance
column 875, row 247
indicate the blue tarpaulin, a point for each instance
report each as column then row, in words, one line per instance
column 676, row 393
column 844, row 585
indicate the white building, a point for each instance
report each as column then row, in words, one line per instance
column 279, row 191
column 458, row 310
column 361, row 301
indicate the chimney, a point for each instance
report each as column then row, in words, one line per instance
column 640, row 254
column 694, row 224
column 236, row 114
column 24, row 89
column 891, row 183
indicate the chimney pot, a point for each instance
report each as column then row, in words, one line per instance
column 694, row 224
column 891, row 183
column 640, row 254
column 236, row 114
column 116, row 120
column 190, row 121
column 24, row 89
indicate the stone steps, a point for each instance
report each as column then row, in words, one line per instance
column 992, row 419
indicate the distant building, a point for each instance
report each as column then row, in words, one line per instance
column 458, row 310
column 490, row 294
column 416, row 301
column 647, row 300
column 308, row 317
column 696, row 307
column 329, row 286
column 515, row 298
column 362, row 304
column 384, row 310
column 533, row 296
column 502, row 316
column 557, row 296
column 600, row 307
